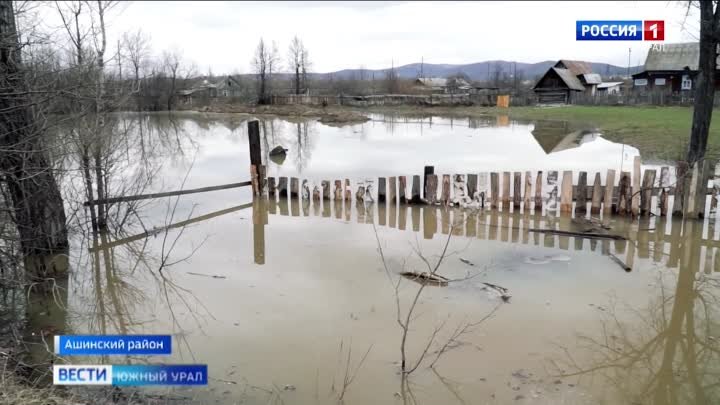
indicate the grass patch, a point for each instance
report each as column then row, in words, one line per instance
column 659, row 132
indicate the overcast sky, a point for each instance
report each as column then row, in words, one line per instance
column 223, row 35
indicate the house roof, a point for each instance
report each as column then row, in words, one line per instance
column 569, row 78
column 433, row 81
column 673, row 57
column 577, row 67
column 606, row 85
column 592, row 78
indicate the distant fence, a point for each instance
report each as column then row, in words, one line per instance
column 634, row 97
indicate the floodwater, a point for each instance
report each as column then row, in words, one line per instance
column 298, row 302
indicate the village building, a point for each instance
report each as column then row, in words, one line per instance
column 670, row 68
column 565, row 80
column 442, row 85
column 225, row 87
column 610, row 88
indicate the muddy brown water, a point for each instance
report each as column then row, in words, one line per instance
column 278, row 296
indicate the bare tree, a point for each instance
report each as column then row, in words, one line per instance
column 299, row 60
column 70, row 12
column 137, row 51
column 172, row 63
column 264, row 61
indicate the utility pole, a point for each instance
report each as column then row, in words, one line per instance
column 628, row 69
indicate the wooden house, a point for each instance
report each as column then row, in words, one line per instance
column 670, row 67
column 566, row 80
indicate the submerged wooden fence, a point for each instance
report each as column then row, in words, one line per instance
column 623, row 193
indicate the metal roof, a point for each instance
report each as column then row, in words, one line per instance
column 569, row 78
column 673, row 57
column 608, row 84
column 592, row 78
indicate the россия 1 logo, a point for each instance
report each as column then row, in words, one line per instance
column 630, row 30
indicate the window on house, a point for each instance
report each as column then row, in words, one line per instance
column 686, row 83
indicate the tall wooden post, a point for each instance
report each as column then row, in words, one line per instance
column 255, row 153
column 664, row 182
column 635, row 201
column 596, row 195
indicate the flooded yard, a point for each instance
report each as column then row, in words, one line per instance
column 301, row 302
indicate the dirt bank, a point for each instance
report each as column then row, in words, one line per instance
column 327, row 115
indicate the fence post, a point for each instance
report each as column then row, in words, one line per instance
column 647, row 190
column 596, row 195
column 581, row 204
column 609, row 191
column 679, row 196
column 255, row 154
column 382, row 190
column 427, row 172
column 635, row 201
column 566, row 197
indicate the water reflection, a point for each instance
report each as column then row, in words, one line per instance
column 185, row 266
column 667, row 352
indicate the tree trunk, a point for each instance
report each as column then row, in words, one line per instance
column 704, row 84
column 37, row 205
column 297, row 79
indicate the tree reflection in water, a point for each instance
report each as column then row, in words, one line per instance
column 667, row 353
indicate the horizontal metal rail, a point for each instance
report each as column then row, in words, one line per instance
column 166, row 194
